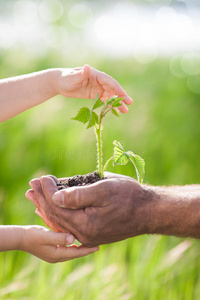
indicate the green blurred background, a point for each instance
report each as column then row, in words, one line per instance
column 162, row 75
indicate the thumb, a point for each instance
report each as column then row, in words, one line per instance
column 81, row 74
column 61, row 239
column 86, row 71
column 79, row 197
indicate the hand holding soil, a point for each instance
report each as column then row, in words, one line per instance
column 117, row 208
column 17, row 94
column 107, row 211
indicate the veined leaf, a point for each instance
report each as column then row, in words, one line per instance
column 97, row 97
column 120, row 156
column 114, row 112
column 117, row 102
column 109, row 101
column 118, row 144
column 98, row 103
column 93, row 120
column 114, row 101
column 83, row 115
column 139, row 165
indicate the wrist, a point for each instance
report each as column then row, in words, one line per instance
column 54, row 76
column 174, row 213
column 24, row 241
column 140, row 209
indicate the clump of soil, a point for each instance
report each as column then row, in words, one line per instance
column 79, row 180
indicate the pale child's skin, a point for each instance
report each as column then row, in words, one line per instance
column 20, row 93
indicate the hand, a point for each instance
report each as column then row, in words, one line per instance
column 107, row 211
column 87, row 82
column 51, row 246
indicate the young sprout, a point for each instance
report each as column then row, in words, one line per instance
column 120, row 156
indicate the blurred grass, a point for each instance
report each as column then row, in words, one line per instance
column 162, row 126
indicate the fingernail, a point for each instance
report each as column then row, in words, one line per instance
column 38, row 212
column 58, row 198
column 29, row 196
column 30, row 183
column 69, row 239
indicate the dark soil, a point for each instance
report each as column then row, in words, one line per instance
column 79, row 180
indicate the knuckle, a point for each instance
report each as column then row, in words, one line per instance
column 72, row 198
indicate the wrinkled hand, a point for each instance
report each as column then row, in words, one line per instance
column 87, row 82
column 107, row 211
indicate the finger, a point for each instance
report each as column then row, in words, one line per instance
column 82, row 74
column 30, row 195
column 58, row 180
column 63, row 219
column 54, row 238
column 36, row 185
column 49, row 189
column 86, row 72
column 54, row 178
column 63, row 179
column 127, row 100
column 115, row 175
column 51, row 225
column 110, row 85
column 43, row 206
column 81, row 197
column 123, row 108
column 66, row 253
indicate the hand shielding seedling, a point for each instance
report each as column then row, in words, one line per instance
column 120, row 156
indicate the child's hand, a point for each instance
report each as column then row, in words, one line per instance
column 87, row 82
column 51, row 246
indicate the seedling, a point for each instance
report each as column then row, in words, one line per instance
column 120, row 156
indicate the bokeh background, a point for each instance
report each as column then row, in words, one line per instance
column 153, row 49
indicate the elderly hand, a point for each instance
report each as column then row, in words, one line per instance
column 104, row 212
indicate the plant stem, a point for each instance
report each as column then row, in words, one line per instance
column 99, row 149
column 106, row 164
column 99, row 141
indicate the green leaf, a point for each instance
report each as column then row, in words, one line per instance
column 98, row 103
column 114, row 101
column 109, row 101
column 139, row 165
column 83, row 115
column 114, row 112
column 117, row 102
column 120, row 156
column 93, row 120
column 118, row 144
